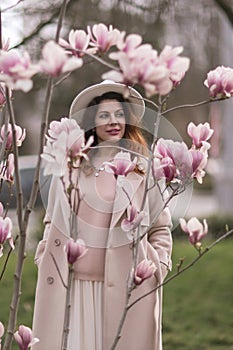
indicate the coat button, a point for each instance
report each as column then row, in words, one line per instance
column 57, row 242
column 50, row 280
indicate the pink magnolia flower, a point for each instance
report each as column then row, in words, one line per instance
column 5, row 233
column 1, row 329
column 5, row 44
column 24, row 337
column 220, row 82
column 20, row 135
column 134, row 217
column 66, row 143
column 75, row 250
column 164, row 168
column 199, row 133
column 16, row 70
column 76, row 147
column 199, row 161
column 78, row 43
column 180, row 157
column 130, row 43
column 7, row 168
column 1, row 209
column 121, row 164
column 195, row 229
column 141, row 66
column 56, row 61
column 131, row 46
column 176, row 65
column 69, row 134
column 55, row 157
column 144, row 270
column 103, row 37
column 56, row 127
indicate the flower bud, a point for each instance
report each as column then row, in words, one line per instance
column 75, row 250
column 24, row 337
column 195, row 229
column 144, row 270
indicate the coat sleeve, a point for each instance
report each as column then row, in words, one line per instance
column 159, row 235
column 57, row 214
column 47, row 221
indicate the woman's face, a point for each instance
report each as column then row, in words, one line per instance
column 110, row 121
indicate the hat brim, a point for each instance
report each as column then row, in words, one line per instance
column 82, row 100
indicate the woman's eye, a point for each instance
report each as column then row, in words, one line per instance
column 103, row 115
column 120, row 115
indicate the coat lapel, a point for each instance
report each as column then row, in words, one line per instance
column 126, row 187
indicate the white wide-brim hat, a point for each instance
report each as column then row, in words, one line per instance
column 82, row 100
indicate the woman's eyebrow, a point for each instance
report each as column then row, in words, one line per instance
column 118, row 110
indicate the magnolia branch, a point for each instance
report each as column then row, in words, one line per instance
column 12, row 6
column 22, row 236
column 23, row 223
column 135, row 246
column 180, row 271
column 192, row 105
column 58, row 270
column 67, row 310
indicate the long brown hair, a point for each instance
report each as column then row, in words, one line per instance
column 133, row 138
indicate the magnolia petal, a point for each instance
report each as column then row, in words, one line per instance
column 18, row 339
column 1, row 209
column 183, row 224
column 126, row 225
column 113, row 75
column 33, row 342
column 2, row 329
column 22, row 84
column 11, row 242
column 72, row 64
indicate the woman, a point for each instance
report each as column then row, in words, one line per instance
column 99, row 286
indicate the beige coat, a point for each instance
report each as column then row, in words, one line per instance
column 142, row 328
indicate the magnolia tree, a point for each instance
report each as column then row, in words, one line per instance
column 130, row 61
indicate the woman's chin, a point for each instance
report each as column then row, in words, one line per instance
column 112, row 140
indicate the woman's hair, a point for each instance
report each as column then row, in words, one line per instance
column 133, row 138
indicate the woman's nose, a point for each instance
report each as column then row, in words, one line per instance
column 113, row 119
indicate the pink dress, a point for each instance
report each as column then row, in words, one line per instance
column 87, row 290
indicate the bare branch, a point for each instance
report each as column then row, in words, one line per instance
column 187, row 267
column 227, row 8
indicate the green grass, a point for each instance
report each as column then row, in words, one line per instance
column 27, row 291
column 198, row 305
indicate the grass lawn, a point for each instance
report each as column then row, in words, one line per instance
column 198, row 305
column 28, row 290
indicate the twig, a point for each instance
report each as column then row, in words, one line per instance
column 22, row 236
column 99, row 59
column 7, row 258
column 12, row 6
column 192, row 105
column 135, row 247
column 67, row 311
column 180, row 271
column 58, row 270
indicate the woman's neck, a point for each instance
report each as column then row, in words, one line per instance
column 106, row 151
